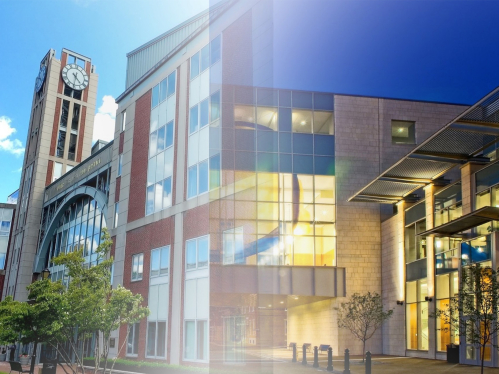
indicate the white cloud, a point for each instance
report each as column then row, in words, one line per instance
column 7, row 143
column 104, row 119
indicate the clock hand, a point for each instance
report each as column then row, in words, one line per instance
column 76, row 77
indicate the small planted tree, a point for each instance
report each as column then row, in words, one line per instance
column 362, row 315
column 474, row 311
column 63, row 316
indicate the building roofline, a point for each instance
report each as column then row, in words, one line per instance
column 442, row 160
column 77, row 167
column 176, row 28
column 218, row 7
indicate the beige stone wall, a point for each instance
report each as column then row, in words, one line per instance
column 313, row 323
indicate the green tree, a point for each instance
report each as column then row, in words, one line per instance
column 64, row 315
column 474, row 311
column 35, row 321
column 95, row 308
column 362, row 315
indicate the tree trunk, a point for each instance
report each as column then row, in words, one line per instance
column 33, row 358
column 363, row 350
column 482, row 356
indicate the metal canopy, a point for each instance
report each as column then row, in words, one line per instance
column 460, row 141
column 473, row 219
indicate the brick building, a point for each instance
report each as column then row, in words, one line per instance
column 227, row 198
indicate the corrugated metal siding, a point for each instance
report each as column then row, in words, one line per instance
column 143, row 59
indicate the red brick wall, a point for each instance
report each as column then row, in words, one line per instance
column 140, row 149
column 143, row 240
column 55, row 127
column 50, row 170
column 122, row 142
column 117, row 191
column 64, row 59
column 81, row 133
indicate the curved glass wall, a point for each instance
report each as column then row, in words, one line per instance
column 79, row 228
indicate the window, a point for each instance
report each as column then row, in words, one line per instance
column 403, row 132
column 116, row 213
column 63, row 123
column 68, row 91
column 199, row 114
column 76, row 117
column 196, row 254
column 447, row 287
column 120, row 164
column 57, row 171
column 137, row 266
column 123, row 120
column 208, row 55
column 72, row 147
column 196, row 313
column 61, row 140
column 163, row 90
column 157, row 320
column 233, row 246
column 448, row 205
column 417, row 315
column 133, row 340
column 160, row 261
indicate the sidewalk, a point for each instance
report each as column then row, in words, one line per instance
column 381, row 365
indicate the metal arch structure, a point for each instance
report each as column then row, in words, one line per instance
column 92, row 192
column 460, row 141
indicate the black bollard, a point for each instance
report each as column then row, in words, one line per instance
column 316, row 357
column 294, row 353
column 347, row 362
column 330, row 359
column 368, row 362
column 304, row 360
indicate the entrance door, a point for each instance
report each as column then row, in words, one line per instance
column 234, row 339
column 470, row 354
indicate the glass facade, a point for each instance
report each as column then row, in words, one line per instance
column 161, row 145
column 79, row 228
column 277, row 200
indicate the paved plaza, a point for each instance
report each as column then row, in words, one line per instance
column 277, row 362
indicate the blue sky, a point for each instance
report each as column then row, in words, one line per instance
column 424, row 50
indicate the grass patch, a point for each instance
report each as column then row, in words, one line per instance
column 143, row 364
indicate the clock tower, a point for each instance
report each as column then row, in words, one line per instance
column 59, row 137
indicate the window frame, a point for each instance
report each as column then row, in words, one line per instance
column 123, row 120
column 139, row 257
column 207, row 359
column 160, row 249
column 196, row 240
column 116, row 214
column 134, row 329
column 210, row 62
column 120, row 165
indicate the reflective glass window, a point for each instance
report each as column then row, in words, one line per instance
column 303, row 164
column 195, row 65
column 302, row 99
column 303, row 143
column 324, row 145
column 171, row 83
column 301, row 121
column 205, row 57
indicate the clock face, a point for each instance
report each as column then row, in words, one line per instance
column 40, row 78
column 75, row 77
